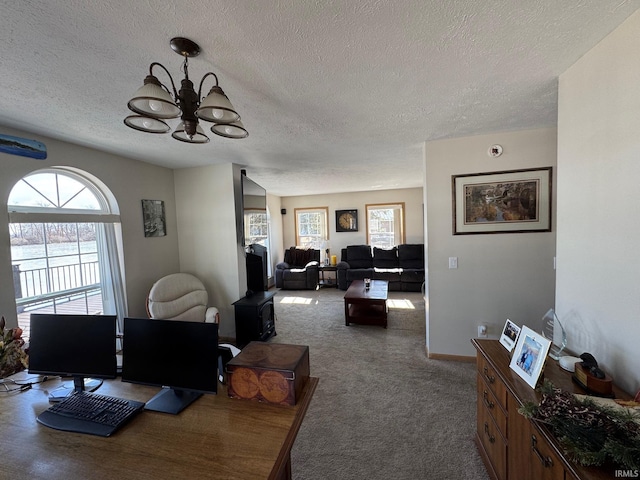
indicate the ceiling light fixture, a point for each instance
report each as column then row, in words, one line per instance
column 154, row 103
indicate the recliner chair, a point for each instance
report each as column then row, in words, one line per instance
column 299, row 270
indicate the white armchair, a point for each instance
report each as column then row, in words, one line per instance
column 181, row 296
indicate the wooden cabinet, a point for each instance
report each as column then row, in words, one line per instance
column 511, row 446
column 530, row 454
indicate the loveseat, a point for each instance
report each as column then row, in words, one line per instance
column 299, row 270
column 402, row 266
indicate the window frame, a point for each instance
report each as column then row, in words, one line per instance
column 396, row 206
column 325, row 237
column 106, row 221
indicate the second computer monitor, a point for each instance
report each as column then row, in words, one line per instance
column 181, row 357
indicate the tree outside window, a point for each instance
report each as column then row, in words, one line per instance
column 63, row 247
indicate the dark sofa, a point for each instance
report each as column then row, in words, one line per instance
column 402, row 266
column 299, row 270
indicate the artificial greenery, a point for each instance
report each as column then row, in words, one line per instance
column 13, row 357
column 590, row 433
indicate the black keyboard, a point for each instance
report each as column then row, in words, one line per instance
column 85, row 412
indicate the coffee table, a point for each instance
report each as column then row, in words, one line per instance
column 366, row 307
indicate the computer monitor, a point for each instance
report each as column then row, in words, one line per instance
column 80, row 346
column 179, row 356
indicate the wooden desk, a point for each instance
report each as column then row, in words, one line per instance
column 215, row 437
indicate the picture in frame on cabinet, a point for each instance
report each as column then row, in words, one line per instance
column 509, row 335
column 530, row 355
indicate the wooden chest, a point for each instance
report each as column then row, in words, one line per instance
column 269, row 372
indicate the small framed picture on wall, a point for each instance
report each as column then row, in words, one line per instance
column 153, row 218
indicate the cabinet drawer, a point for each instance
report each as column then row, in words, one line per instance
column 545, row 463
column 492, row 380
column 493, row 443
column 488, row 401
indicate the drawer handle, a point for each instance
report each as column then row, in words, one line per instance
column 490, row 378
column 546, row 462
column 492, row 439
column 488, row 403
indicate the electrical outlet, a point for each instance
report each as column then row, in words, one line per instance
column 482, row 331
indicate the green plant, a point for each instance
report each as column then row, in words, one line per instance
column 590, row 433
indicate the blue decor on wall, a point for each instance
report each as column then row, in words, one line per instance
column 23, row 147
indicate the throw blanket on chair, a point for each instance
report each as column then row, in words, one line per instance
column 299, row 257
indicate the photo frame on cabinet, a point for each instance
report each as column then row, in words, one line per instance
column 511, row 201
column 529, row 355
column 509, row 335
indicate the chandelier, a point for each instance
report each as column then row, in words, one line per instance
column 154, row 103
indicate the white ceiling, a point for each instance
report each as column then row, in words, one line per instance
column 337, row 95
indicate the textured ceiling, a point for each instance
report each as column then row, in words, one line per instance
column 337, row 95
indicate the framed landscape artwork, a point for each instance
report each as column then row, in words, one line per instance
column 513, row 201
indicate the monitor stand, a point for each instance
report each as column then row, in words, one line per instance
column 169, row 400
column 78, row 384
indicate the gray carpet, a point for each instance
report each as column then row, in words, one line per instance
column 382, row 409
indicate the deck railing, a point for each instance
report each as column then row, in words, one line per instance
column 38, row 282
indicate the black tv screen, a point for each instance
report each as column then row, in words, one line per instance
column 73, row 345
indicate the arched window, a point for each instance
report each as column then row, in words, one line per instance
column 63, row 227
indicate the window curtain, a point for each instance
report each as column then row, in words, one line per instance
column 111, row 278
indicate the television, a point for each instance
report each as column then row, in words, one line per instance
column 80, row 346
column 254, row 201
column 179, row 356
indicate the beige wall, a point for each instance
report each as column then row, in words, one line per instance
column 146, row 259
column 499, row 276
column 412, row 198
column 598, row 292
column 207, row 205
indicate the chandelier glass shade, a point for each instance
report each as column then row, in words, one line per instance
column 230, row 130
column 154, row 102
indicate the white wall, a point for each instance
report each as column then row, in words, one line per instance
column 208, row 209
column 146, row 259
column 412, row 198
column 598, row 287
column 499, row 276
